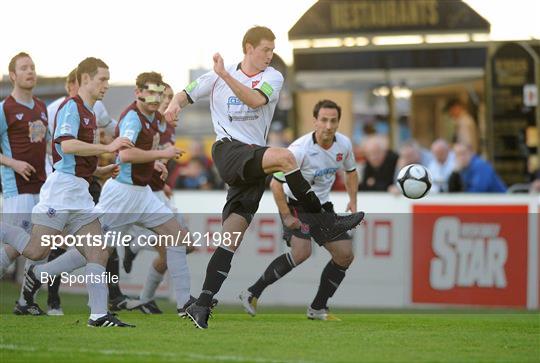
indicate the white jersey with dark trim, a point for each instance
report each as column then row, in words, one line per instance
column 319, row 165
column 230, row 116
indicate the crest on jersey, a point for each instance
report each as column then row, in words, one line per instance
column 254, row 84
column 86, row 121
column 339, row 156
column 19, row 116
column 25, row 225
column 36, row 131
column 43, row 116
column 147, row 125
column 51, row 212
column 304, row 228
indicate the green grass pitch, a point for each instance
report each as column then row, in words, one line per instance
column 275, row 335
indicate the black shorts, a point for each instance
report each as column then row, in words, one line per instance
column 303, row 232
column 240, row 166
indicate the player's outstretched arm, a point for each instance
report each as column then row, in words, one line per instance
column 22, row 168
column 250, row 97
column 139, row 156
column 179, row 101
column 351, row 185
column 81, row 148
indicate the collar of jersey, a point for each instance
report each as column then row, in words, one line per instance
column 239, row 68
column 315, row 141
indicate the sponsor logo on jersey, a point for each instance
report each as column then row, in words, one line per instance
column 19, row 116
column 339, row 157
column 325, row 171
column 234, row 101
column 36, row 131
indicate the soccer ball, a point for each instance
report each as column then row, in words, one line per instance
column 414, row 181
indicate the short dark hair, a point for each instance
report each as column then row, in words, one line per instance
column 89, row 66
column 453, row 102
column 148, row 77
column 13, row 61
column 326, row 104
column 254, row 36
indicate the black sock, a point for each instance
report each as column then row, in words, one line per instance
column 276, row 270
column 216, row 272
column 53, row 297
column 302, row 191
column 331, row 277
column 113, row 267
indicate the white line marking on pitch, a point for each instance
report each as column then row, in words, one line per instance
column 167, row 355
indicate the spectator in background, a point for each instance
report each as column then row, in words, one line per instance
column 378, row 174
column 195, row 175
column 462, row 128
column 441, row 166
column 473, row 174
column 409, row 153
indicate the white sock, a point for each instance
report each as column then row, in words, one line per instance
column 179, row 271
column 14, row 236
column 5, row 261
column 153, row 280
column 67, row 262
column 97, row 291
column 27, row 265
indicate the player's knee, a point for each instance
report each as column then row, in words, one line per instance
column 160, row 265
column 288, row 162
column 344, row 259
column 97, row 255
column 34, row 250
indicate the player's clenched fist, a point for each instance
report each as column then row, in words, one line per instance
column 219, row 66
column 172, row 111
column 172, row 152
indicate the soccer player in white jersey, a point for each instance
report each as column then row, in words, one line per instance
column 65, row 205
column 243, row 98
column 320, row 155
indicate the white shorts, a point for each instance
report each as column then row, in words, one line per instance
column 65, row 204
column 122, row 205
column 17, row 210
column 136, row 230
